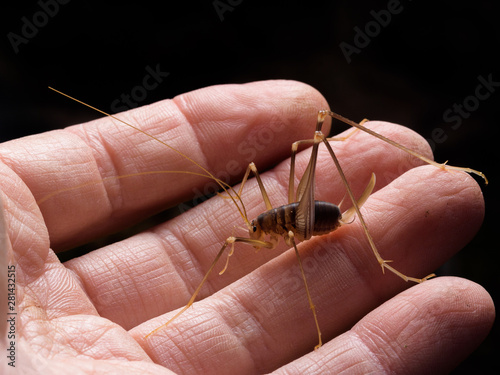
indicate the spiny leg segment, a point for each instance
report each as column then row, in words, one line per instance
column 383, row 263
column 319, row 135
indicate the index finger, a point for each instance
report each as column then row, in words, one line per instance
column 221, row 127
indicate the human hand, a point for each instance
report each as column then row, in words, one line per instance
column 92, row 313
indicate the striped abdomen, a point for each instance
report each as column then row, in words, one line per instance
column 282, row 219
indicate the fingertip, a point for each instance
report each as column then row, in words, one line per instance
column 433, row 325
column 405, row 136
column 271, row 102
column 251, row 122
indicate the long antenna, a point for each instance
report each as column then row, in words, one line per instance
column 227, row 188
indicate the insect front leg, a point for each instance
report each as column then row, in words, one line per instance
column 229, row 241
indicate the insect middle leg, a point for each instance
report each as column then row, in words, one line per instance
column 257, row 243
column 289, row 238
column 229, row 241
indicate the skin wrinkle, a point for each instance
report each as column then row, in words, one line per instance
column 172, row 268
column 138, row 296
column 43, row 339
column 17, row 242
column 76, row 278
column 403, row 335
column 363, row 281
column 241, row 339
column 422, row 312
column 357, row 240
column 157, row 266
column 44, row 335
column 202, row 159
column 314, row 365
column 82, row 345
column 174, row 135
column 132, row 295
column 175, row 337
column 373, row 340
column 176, row 266
column 109, row 152
column 362, row 364
column 57, row 308
column 267, row 341
column 52, row 288
column 102, row 143
column 277, row 306
column 392, row 211
column 109, row 266
column 162, row 293
column 185, row 238
column 35, row 265
column 348, row 260
column 83, row 134
column 373, row 363
column 88, row 285
column 199, row 329
column 117, row 203
column 154, row 113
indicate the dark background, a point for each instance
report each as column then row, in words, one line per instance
column 413, row 70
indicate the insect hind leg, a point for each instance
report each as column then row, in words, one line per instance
column 444, row 166
column 382, row 262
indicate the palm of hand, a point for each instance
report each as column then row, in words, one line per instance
column 76, row 315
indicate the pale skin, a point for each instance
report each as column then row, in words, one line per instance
column 92, row 313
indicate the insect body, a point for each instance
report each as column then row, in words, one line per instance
column 280, row 221
column 302, row 217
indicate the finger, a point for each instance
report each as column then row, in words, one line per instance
column 430, row 328
column 47, row 310
column 73, row 172
column 361, row 155
column 259, row 316
column 125, row 280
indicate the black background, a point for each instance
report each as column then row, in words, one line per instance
column 427, row 58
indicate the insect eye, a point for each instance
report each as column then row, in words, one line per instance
column 254, row 229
